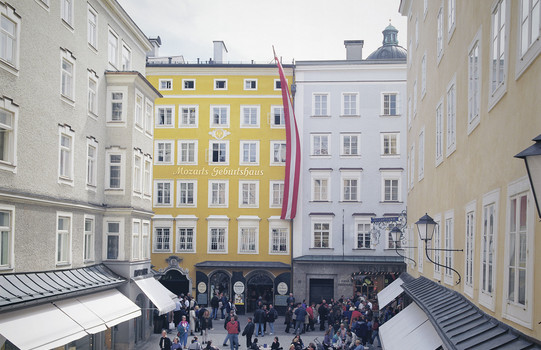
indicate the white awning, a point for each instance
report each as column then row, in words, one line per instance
column 409, row 329
column 158, row 294
column 82, row 315
column 390, row 292
column 39, row 327
column 111, row 306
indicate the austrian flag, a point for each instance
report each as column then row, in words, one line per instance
column 293, row 151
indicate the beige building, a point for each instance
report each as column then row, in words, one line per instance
column 473, row 82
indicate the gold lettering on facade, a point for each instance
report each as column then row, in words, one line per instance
column 219, row 171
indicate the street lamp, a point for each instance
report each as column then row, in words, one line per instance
column 532, row 158
column 426, row 226
column 396, row 235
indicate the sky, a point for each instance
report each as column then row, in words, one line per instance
column 298, row 29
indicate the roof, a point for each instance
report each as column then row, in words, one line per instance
column 23, row 289
column 244, row 264
column 390, row 49
column 461, row 324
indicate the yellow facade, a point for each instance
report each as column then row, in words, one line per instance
column 223, row 196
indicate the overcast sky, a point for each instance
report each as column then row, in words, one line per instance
column 298, row 29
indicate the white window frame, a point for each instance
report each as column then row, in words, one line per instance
column 162, row 201
column 225, row 184
column 149, row 117
column 421, row 251
column 227, row 116
column 439, row 133
column 92, row 28
column 12, row 110
column 421, row 161
column 322, row 220
column 436, row 244
column 251, row 223
column 162, row 222
column 165, row 84
column 469, row 247
column 362, row 235
column 275, row 223
column 425, row 8
column 211, row 152
column 145, row 239
column 526, row 55
column 91, row 164
column 217, row 222
column 414, row 98
column 451, row 18
column 159, row 154
column 475, row 74
column 89, row 239
column 136, row 240
column 451, row 117
column 66, row 12
column 124, row 105
column 113, row 44
column 416, row 32
column 423, row 76
column 439, row 35
column 180, row 152
column 324, row 112
column 277, row 85
column 412, row 166
column 349, row 151
column 138, row 173
column 410, row 112
column 448, row 243
column 11, row 65
column 66, row 250
column 320, row 152
column 348, row 175
column 320, row 176
column 249, row 108
column 167, row 111
column 93, row 95
column 186, row 222
column 384, row 95
column 147, row 176
column 274, row 201
column 250, row 143
column 184, row 81
column 281, row 148
column 487, row 299
column 349, row 112
column 67, row 79
column 390, row 135
column 139, row 110
column 10, row 229
column 273, row 115
column 255, row 185
column 393, row 175
column 496, row 91
column 521, row 314
column 218, row 81
column 180, row 193
column 118, row 152
column 125, row 57
column 181, row 109
column 250, row 82
column 66, row 171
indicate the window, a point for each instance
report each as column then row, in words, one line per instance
column 321, row 234
column 164, row 152
column 149, row 117
column 189, row 116
column 421, row 172
column 188, row 84
column 451, row 17
column 249, row 152
column 146, row 240
column 363, row 235
column 249, row 116
column 277, row 84
column 164, row 116
column 439, row 133
column 278, row 152
column 391, row 186
column 250, row 84
column 185, row 239
column 451, row 118
column 187, row 193
column 277, row 115
column 218, row 193
column 136, row 240
column 147, row 176
column 279, row 236
column 320, row 105
column 351, row 145
column 162, row 193
column 415, row 98
column 248, row 194
column 10, row 31
column 320, row 181
column 117, row 102
column 66, row 154
column 91, row 163
column 8, row 134
column 410, row 112
column 529, row 34
column 448, row 244
column 139, row 101
column 126, row 58
column 469, row 248
column 423, row 76
column 437, row 245
column 162, row 239
column 63, row 238
column 321, row 144
column 112, row 48
column 187, row 152
column 67, row 75
column 217, row 233
column 440, row 35
column 425, row 8
column 474, row 83
column 92, row 94
column 92, row 18
column 390, row 144
column 67, row 11
column 219, row 152
column 137, row 173
column 7, row 213
column 498, row 46
column 349, row 104
column 351, row 186
column 220, row 84
column 219, row 116
column 412, row 166
column 416, row 32
column 276, row 194
column 489, row 233
column 165, row 84
column 248, row 234
column 390, row 106
column 115, row 168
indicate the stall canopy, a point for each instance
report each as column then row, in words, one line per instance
column 158, row 294
column 390, row 292
column 409, row 329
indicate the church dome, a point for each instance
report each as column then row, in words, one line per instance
column 390, row 49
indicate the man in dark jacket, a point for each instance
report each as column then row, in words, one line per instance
column 323, row 312
column 272, row 315
column 165, row 342
column 259, row 319
column 214, row 304
column 248, row 332
column 300, row 314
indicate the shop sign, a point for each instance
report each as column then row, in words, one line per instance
column 218, row 171
column 281, row 288
column 202, row 287
column 238, row 287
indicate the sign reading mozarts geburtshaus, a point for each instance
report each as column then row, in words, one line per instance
column 218, row 171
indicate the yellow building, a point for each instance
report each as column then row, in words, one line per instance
column 219, row 154
column 473, row 104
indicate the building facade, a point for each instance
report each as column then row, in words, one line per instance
column 218, row 180
column 76, row 144
column 473, row 76
column 351, row 114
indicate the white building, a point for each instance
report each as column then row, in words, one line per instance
column 76, row 124
column 352, row 116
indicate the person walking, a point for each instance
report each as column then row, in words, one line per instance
column 259, row 319
column 227, row 319
column 323, row 312
column 183, row 329
column 272, row 315
column 165, row 342
column 206, row 324
column 214, row 303
column 233, row 328
column 300, row 314
column 288, row 318
column 248, row 332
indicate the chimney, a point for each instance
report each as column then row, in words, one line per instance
column 354, row 49
column 219, row 51
column 155, row 42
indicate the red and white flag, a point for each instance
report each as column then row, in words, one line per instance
column 293, row 151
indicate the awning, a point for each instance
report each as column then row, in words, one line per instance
column 158, row 294
column 409, row 329
column 80, row 313
column 111, row 306
column 390, row 292
column 39, row 327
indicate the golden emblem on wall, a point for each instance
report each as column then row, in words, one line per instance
column 219, row 134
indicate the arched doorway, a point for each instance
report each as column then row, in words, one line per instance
column 140, row 321
column 219, row 282
column 176, row 282
column 259, row 284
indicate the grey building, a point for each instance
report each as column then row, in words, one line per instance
column 352, row 116
column 76, row 141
